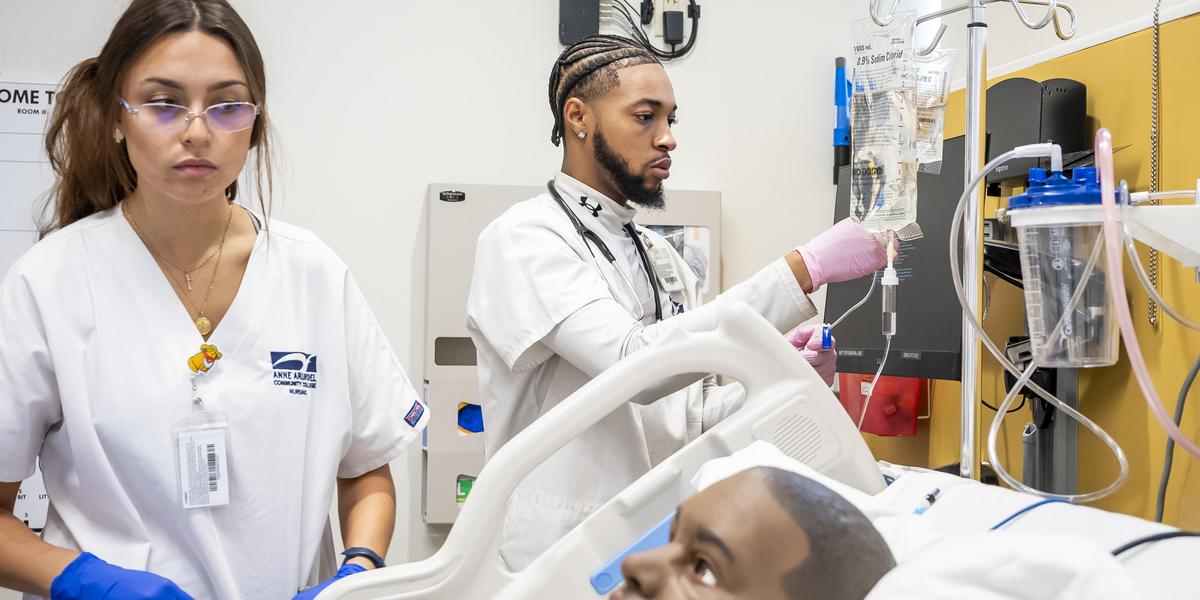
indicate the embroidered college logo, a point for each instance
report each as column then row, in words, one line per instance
column 296, row 371
column 414, row 414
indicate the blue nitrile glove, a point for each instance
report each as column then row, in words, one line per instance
column 347, row 570
column 89, row 578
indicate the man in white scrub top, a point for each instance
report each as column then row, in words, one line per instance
column 565, row 285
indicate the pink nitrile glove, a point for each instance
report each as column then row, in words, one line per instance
column 843, row 252
column 807, row 340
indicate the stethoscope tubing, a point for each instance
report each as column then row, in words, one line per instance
column 587, row 235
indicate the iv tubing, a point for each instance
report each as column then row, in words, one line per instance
column 973, row 320
column 1131, row 250
column 862, row 416
column 889, row 274
column 1112, row 232
column 870, row 291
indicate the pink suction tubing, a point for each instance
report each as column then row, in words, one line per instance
column 1112, row 241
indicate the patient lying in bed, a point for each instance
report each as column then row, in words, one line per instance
column 766, row 526
column 764, row 533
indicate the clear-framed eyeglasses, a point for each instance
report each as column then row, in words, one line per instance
column 166, row 117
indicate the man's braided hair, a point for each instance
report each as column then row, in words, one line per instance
column 588, row 68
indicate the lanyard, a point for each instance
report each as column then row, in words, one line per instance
column 201, row 441
column 589, row 235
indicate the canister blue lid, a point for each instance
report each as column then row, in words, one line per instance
column 1056, row 190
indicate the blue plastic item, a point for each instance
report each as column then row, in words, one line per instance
column 470, row 418
column 609, row 576
column 89, row 578
column 841, row 104
column 346, row 571
column 826, row 337
column 1057, row 190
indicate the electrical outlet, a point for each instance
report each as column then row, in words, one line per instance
column 661, row 6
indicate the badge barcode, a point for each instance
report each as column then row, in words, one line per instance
column 672, row 280
column 213, row 474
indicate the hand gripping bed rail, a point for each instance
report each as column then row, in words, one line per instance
column 786, row 404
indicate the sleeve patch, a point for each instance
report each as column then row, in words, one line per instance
column 414, row 414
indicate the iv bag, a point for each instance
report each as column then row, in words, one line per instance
column 933, row 93
column 883, row 114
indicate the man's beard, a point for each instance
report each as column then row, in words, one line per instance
column 632, row 186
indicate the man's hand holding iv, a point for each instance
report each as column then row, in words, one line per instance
column 843, row 252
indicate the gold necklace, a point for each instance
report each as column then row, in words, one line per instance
column 203, row 324
column 187, row 273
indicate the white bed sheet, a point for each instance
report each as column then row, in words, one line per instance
column 1158, row 570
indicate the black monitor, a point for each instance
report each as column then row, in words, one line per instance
column 928, row 340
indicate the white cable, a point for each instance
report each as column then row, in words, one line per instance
column 862, row 416
column 1033, row 150
column 1144, row 197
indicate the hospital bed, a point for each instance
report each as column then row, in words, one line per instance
column 787, row 405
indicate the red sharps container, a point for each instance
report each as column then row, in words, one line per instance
column 894, row 405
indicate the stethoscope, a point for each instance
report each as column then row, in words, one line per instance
column 590, row 236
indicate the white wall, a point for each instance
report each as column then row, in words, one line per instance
column 373, row 99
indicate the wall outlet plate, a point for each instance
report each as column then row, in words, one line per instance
column 661, row 6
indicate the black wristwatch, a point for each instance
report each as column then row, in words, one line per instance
column 366, row 553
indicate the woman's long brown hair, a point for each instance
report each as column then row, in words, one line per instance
column 92, row 171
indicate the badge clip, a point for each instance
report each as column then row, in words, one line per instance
column 201, row 442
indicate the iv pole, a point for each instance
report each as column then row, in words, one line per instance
column 972, row 238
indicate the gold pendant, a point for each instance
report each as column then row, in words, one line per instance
column 203, row 325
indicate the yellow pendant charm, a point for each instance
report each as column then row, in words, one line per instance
column 203, row 325
column 203, row 361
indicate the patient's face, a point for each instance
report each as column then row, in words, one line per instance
column 732, row 540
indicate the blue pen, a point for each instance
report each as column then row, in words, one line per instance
column 841, row 122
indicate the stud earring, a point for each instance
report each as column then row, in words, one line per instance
column 580, row 135
column 118, row 137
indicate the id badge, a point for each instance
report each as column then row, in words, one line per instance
column 202, row 459
column 664, row 267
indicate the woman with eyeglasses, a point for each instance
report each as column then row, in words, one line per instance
column 196, row 380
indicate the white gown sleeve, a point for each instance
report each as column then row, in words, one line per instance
column 601, row 333
column 386, row 412
column 29, row 399
column 527, row 278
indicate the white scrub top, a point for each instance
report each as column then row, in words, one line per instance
column 546, row 316
column 94, row 349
